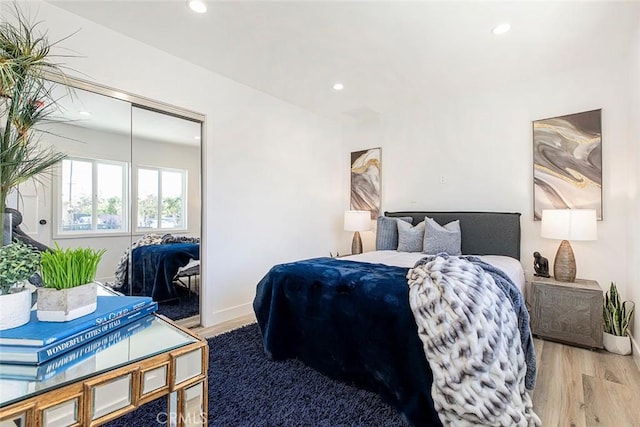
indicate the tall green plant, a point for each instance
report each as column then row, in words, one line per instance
column 617, row 315
column 25, row 101
column 68, row 268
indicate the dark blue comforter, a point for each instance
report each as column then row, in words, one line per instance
column 351, row 321
column 155, row 266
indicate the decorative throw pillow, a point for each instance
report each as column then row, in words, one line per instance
column 387, row 232
column 442, row 239
column 410, row 238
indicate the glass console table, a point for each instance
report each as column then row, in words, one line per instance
column 160, row 360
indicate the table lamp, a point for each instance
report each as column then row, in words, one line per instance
column 357, row 221
column 567, row 224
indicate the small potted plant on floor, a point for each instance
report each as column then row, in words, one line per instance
column 69, row 289
column 617, row 317
column 18, row 262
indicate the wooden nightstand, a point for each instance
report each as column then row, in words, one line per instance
column 567, row 312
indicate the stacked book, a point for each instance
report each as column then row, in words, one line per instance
column 39, row 350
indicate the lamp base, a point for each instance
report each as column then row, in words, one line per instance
column 356, row 244
column 564, row 266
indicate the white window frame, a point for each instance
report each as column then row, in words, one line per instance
column 58, row 233
column 185, row 224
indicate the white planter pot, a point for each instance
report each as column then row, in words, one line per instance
column 16, row 309
column 66, row 304
column 617, row 344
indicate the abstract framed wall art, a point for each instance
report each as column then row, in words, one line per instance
column 567, row 163
column 365, row 181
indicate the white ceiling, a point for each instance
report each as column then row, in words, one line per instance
column 389, row 55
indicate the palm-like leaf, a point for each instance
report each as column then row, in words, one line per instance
column 25, row 101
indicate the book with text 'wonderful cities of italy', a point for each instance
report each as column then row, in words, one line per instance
column 79, row 358
column 36, row 355
column 36, row 333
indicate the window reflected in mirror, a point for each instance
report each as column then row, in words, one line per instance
column 162, row 197
column 93, row 196
column 130, row 184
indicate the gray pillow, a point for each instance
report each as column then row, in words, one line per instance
column 442, row 239
column 387, row 233
column 409, row 237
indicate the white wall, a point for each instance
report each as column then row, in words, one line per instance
column 480, row 144
column 272, row 190
column 634, row 193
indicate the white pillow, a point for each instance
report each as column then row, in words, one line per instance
column 439, row 239
column 410, row 238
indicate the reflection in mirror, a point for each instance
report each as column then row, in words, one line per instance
column 131, row 185
column 165, row 172
column 85, row 202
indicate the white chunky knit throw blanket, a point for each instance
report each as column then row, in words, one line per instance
column 471, row 340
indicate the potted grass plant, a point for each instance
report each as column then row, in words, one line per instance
column 25, row 101
column 18, row 262
column 617, row 317
column 69, row 290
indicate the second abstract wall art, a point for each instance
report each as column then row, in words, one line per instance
column 567, row 163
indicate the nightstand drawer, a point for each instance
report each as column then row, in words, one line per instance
column 567, row 312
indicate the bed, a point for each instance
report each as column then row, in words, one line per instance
column 156, row 266
column 350, row 318
column 156, row 263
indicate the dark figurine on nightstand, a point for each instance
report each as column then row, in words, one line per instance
column 540, row 265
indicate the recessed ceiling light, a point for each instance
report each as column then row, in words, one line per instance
column 198, row 6
column 196, row 137
column 84, row 113
column 501, row 28
column 338, row 86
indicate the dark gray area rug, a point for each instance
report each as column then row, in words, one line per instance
column 247, row 389
column 187, row 305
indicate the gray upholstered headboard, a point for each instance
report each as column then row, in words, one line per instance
column 483, row 233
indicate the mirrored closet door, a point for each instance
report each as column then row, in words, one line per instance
column 165, row 211
column 130, row 184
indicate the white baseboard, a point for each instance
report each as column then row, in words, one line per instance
column 635, row 352
column 230, row 313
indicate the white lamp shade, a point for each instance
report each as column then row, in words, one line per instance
column 357, row 220
column 569, row 224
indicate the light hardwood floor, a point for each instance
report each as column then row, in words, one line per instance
column 575, row 387
column 225, row 326
column 579, row 387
